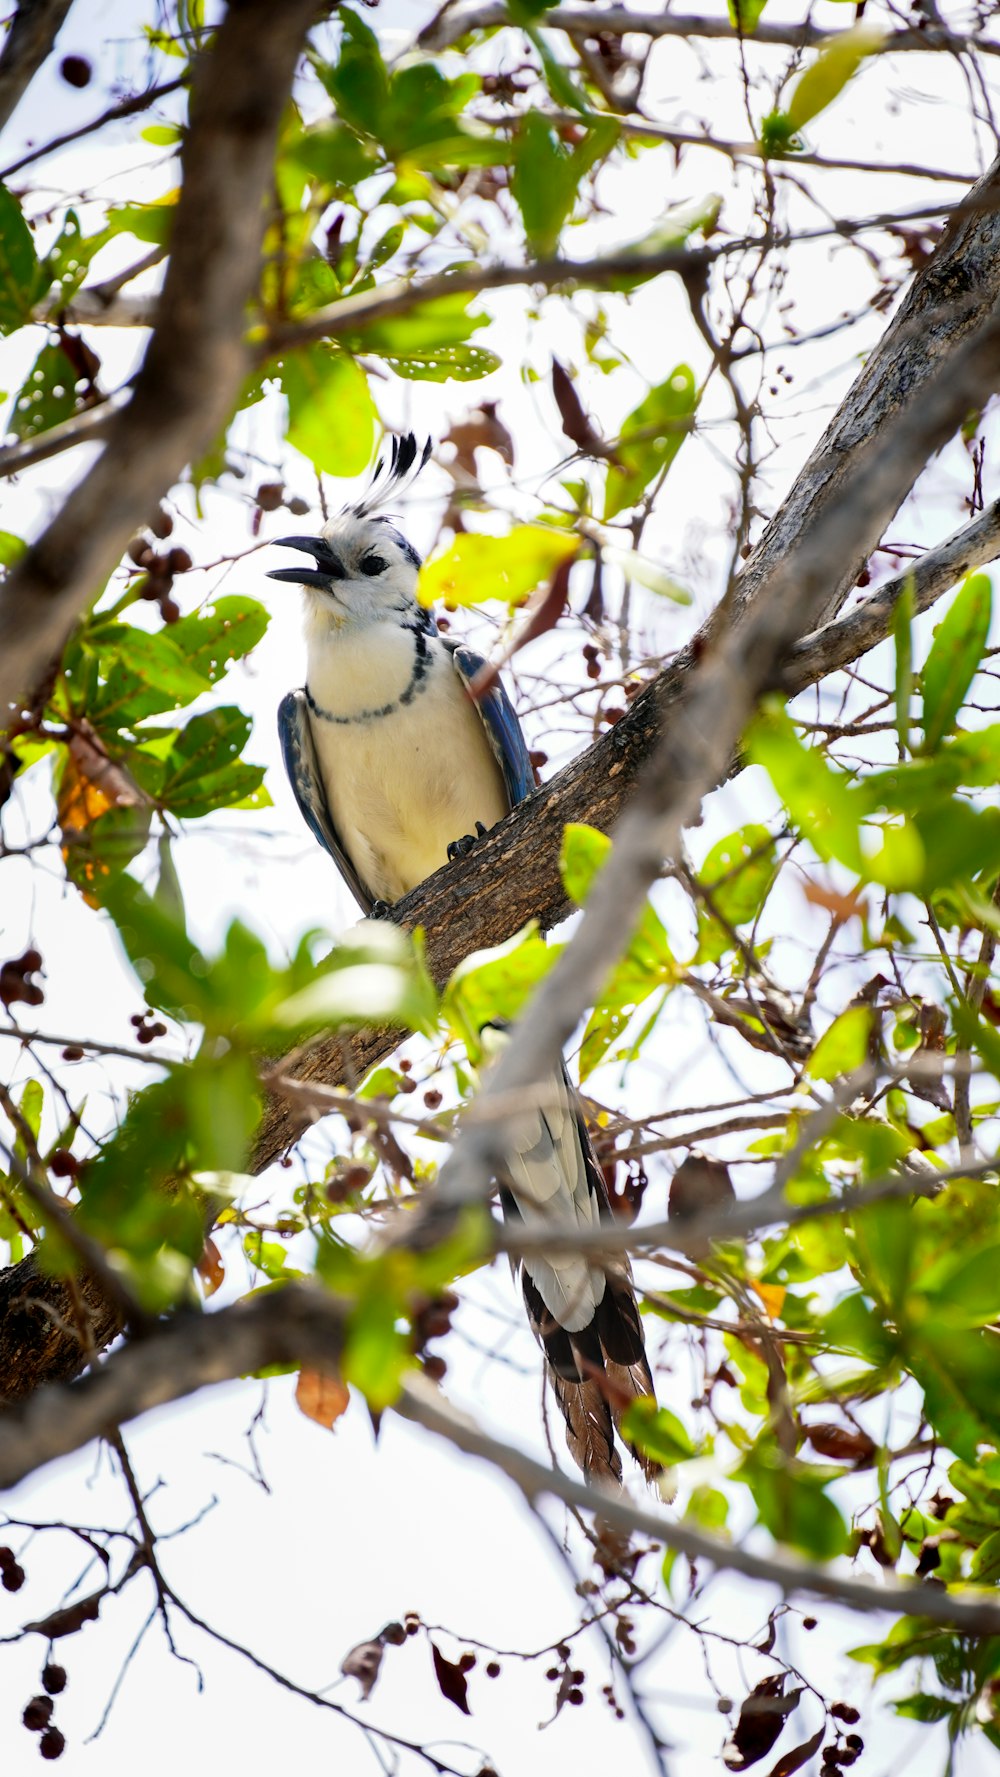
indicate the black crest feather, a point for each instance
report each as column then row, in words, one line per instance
column 405, row 463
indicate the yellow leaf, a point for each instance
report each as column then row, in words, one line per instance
column 773, row 1296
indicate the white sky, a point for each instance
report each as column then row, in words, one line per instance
column 352, row 1534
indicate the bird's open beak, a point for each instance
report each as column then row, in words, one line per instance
column 328, row 566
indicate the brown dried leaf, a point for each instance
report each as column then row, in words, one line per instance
column 322, row 1396
column 480, row 428
column 842, row 904
column 363, row 1663
column 699, row 1187
column 451, row 1679
column 576, row 424
column 69, row 1619
column 840, row 1443
column 211, row 1270
column 762, row 1717
column 799, row 1755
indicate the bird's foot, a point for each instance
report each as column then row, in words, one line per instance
column 379, row 910
column 460, row 848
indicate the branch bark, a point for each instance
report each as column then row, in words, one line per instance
column 304, row 1325
column 197, row 356
column 33, row 30
column 453, row 22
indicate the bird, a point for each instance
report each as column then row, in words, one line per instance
column 397, row 769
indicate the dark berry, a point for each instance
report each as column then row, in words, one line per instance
column 432, row 1098
column 30, row 961
column 845, row 1712
column 179, row 561
column 297, row 506
column 574, row 1696
column 808, row 1622
column 72, row 1052
column 62, row 1164
column 269, row 495
column 493, row 1669
column 161, row 524
column 7, row 1558
column 538, row 758
column 552, row 1674
column 140, row 552
column 54, row 1679
column 76, row 70
column 12, row 1577
column 51, row 1743
column 36, row 1714
column 170, row 610
column 466, row 1661
column 577, row 1677
column 435, row 1367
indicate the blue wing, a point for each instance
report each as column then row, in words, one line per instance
column 299, row 754
column 503, row 730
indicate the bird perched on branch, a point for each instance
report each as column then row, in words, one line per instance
column 396, row 770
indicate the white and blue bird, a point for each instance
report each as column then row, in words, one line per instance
column 396, row 770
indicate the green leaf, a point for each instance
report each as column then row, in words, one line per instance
column 738, row 872
column 336, row 155
column 148, row 674
column 222, row 631
column 11, row 549
column 19, row 270
column 902, row 624
column 647, row 965
column 648, row 573
column 956, row 651
column 548, row 174
column 494, row 985
column 744, row 15
column 657, row 1432
column 47, row 395
column 835, row 65
column 843, row 1046
column 203, row 770
column 922, row 1706
column 793, row 1506
column 148, row 222
column 650, row 439
column 374, row 976
column 331, row 415
column 425, row 331
column 67, row 261
column 475, row 568
column 458, row 364
column 358, row 82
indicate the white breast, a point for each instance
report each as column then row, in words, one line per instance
column 401, row 785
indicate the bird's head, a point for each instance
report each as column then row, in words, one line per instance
column 364, row 570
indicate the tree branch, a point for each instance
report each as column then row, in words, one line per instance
column 196, row 358
column 423, row 1404
column 32, row 32
column 453, row 22
column 301, row 1324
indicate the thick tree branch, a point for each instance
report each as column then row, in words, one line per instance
column 743, row 658
column 33, row 30
column 303, row 1325
column 196, row 358
column 453, row 22
column 424, row 1405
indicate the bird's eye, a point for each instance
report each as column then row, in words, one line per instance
column 372, row 564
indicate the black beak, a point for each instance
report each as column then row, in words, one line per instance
column 328, row 566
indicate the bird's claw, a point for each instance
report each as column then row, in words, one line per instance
column 460, row 848
column 379, row 910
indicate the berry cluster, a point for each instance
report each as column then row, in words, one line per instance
column 147, row 1029
column 160, row 569
column 37, row 1713
column 432, row 1320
